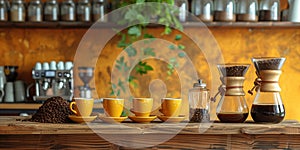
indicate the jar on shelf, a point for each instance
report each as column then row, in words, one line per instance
column 203, row 9
column 247, row 10
column 84, row 11
column 199, row 103
column 225, row 10
column 183, row 6
column 17, row 11
column 99, row 9
column 51, row 11
column 4, row 10
column 269, row 10
column 35, row 11
column 67, row 10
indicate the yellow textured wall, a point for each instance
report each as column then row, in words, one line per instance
column 24, row 47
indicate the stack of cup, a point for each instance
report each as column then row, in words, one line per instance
column 82, row 108
column 142, row 108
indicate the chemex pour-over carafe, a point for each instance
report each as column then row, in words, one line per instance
column 232, row 106
column 267, row 105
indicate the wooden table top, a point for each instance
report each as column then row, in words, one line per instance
column 15, row 125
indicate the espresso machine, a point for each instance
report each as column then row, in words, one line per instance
column 53, row 80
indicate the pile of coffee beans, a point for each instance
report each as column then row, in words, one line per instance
column 234, row 71
column 54, row 110
column 199, row 115
column 270, row 64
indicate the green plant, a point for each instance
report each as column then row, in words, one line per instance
column 163, row 13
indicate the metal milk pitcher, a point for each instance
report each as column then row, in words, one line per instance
column 294, row 10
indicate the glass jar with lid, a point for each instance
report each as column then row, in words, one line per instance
column 269, row 10
column 199, row 103
column 51, row 11
column 203, row 9
column 83, row 10
column 183, row 6
column 17, row 11
column 225, row 10
column 247, row 10
column 67, row 10
column 35, row 11
column 99, row 9
column 3, row 10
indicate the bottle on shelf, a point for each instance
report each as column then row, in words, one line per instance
column 51, row 11
column 269, row 10
column 99, row 9
column 35, row 11
column 4, row 10
column 203, row 9
column 17, row 11
column 183, row 6
column 83, row 11
column 247, row 10
column 225, row 10
column 67, row 10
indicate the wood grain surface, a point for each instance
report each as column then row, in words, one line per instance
column 98, row 135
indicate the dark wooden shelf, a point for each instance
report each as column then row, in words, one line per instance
column 85, row 25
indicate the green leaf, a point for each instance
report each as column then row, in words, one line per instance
column 140, row 1
column 178, row 37
column 169, row 72
column 182, row 47
column 173, row 60
column 181, row 54
column 134, row 31
column 143, row 68
column 172, row 47
column 131, row 51
column 121, row 85
column 148, row 36
column 148, row 68
column 122, row 44
column 149, row 51
column 168, row 30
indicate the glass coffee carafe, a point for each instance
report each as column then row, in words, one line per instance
column 232, row 107
column 267, row 106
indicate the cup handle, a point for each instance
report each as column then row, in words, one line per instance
column 131, row 110
column 161, row 110
column 71, row 107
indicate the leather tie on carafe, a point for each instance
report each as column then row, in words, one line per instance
column 257, row 84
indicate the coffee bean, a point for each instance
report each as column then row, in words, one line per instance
column 271, row 64
column 54, row 110
column 233, row 71
column 199, row 115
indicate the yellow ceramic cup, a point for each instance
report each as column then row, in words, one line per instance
column 142, row 107
column 113, row 107
column 82, row 106
column 171, row 106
